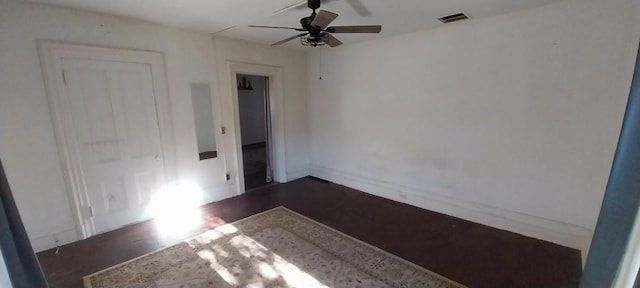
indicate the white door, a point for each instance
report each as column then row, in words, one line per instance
column 116, row 131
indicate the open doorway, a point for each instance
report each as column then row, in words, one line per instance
column 255, row 130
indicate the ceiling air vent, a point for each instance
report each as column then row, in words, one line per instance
column 454, row 17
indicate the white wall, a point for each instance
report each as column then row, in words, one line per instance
column 294, row 65
column 510, row 121
column 27, row 143
column 251, row 106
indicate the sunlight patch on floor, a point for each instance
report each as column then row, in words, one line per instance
column 176, row 208
column 262, row 266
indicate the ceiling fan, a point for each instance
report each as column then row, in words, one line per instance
column 316, row 28
column 356, row 5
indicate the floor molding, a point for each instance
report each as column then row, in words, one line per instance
column 564, row 234
column 216, row 193
column 297, row 174
column 56, row 239
column 210, row 194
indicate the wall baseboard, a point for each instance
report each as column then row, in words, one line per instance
column 49, row 241
column 210, row 194
column 532, row 226
column 218, row 192
column 297, row 174
column 560, row 233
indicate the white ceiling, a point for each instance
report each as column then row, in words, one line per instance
column 230, row 17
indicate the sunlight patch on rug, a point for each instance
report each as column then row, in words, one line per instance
column 277, row 248
column 265, row 266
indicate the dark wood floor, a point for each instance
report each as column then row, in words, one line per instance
column 256, row 175
column 469, row 253
column 255, row 180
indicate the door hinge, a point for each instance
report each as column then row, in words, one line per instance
column 227, row 176
column 223, row 130
column 64, row 77
column 88, row 212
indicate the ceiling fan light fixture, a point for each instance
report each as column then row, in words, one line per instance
column 308, row 40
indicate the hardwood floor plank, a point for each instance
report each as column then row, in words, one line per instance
column 469, row 253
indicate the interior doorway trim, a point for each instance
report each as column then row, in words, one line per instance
column 276, row 101
column 51, row 55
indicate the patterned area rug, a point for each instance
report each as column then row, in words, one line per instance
column 276, row 248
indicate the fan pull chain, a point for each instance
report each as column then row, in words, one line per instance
column 320, row 63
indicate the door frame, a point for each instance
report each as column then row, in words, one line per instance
column 51, row 55
column 630, row 262
column 274, row 75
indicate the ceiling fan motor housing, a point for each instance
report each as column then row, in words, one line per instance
column 314, row 4
column 306, row 22
column 315, row 32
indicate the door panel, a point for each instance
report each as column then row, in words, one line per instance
column 95, row 126
column 114, row 196
column 145, row 186
column 115, row 122
column 142, row 124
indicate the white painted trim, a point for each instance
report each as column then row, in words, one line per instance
column 212, row 193
column 532, row 226
column 216, row 193
column 42, row 243
column 51, row 55
column 297, row 174
column 276, row 98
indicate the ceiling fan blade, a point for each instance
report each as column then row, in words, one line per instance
column 276, row 27
column 355, row 29
column 333, row 41
column 324, row 18
column 288, row 39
